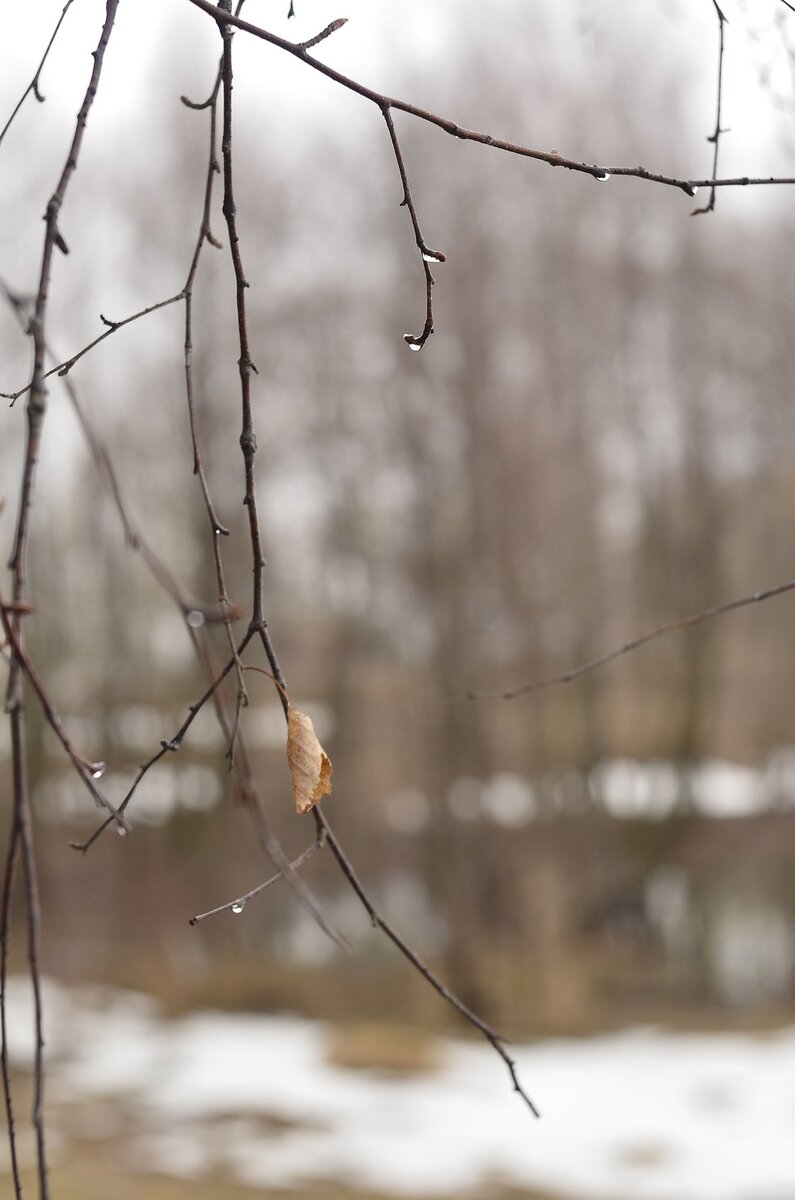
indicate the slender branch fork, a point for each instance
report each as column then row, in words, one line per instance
column 552, row 157
column 386, row 105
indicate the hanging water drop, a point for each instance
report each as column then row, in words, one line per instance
column 691, row 189
column 412, row 342
column 238, row 907
column 97, row 770
column 433, row 256
column 602, row 176
column 195, row 618
column 122, row 832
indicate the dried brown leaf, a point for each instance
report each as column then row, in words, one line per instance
column 310, row 766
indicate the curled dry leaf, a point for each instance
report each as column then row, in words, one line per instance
column 310, row 766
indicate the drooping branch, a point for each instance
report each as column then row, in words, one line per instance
column 15, row 698
column 491, row 1036
column 427, row 256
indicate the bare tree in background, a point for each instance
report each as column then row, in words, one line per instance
column 233, row 641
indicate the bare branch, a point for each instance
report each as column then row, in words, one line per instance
column 63, row 368
column 248, row 439
column 415, row 341
column 226, row 612
column 411, row 955
column 167, row 746
column 552, row 157
column 33, row 86
column 15, row 699
column 324, row 33
column 239, row 903
column 9, row 878
column 714, row 137
column 661, row 631
column 87, row 770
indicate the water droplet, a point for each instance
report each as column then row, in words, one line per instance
column 412, row 342
column 122, row 832
column 433, row 256
column 691, row 189
column 97, row 770
column 238, row 907
column 195, row 618
column 603, row 176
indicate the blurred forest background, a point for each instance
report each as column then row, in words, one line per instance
column 598, row 438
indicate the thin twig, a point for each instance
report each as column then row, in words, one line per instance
column 248, row 446
column 33, row 86
column 63, row 368
column 250, row 796
column 714, row 137
column 167, row 745
column 552, row 157
column 15, row 699
column 187, row 604
column 411, row 955
column 9, row 877
column 324, row 33
column 415, row 341
column 239, row 903
column 248, row 438
column 217, row 530
column 661, row 631
column 84, row 767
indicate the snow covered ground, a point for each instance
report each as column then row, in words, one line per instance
column 636, row 1115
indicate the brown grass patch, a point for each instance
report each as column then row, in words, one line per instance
column 393, row 1049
